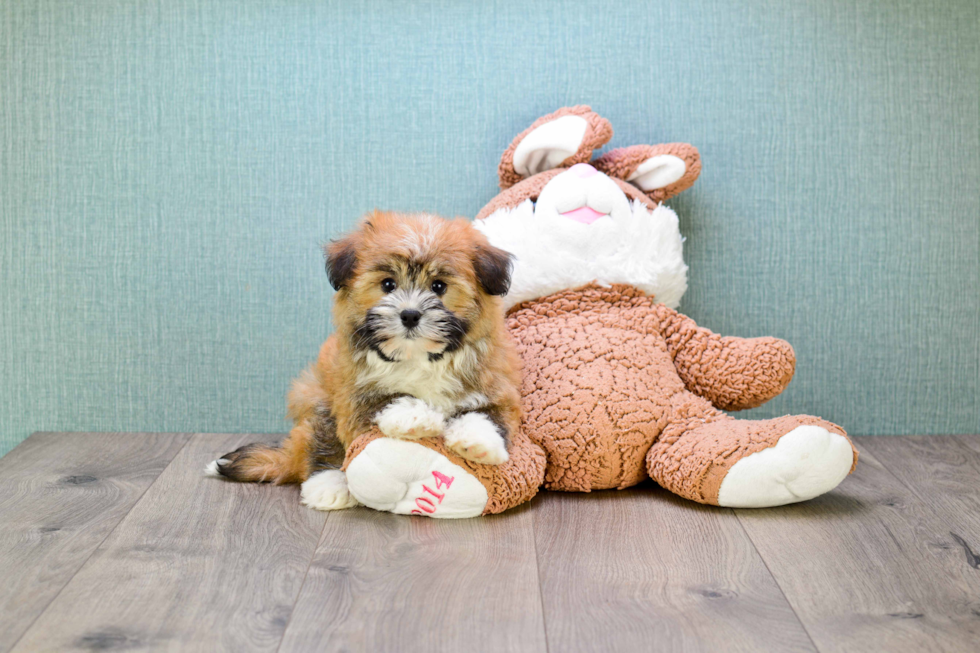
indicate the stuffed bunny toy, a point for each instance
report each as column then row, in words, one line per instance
column 617, row 385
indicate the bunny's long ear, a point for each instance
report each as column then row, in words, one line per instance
column 660, row 171
column 558, row 140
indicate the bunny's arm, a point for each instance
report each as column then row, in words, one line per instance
column 732, row 373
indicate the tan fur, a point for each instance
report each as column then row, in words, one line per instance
column 487, row 361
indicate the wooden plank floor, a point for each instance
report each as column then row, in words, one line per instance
column 117, row 542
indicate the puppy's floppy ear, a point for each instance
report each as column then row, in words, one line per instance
column 341, row 256
column 493, row 267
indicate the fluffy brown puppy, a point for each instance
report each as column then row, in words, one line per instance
column 420, row 349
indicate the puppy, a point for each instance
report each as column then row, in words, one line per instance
column 420, row 350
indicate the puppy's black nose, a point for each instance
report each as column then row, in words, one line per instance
column 410, row 318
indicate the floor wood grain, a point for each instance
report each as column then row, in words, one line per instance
column 944, row 473
column 642, row 570
column 871, row 567
column 199, row 564
column 118, row 542
column 61, row 494
column 382, row 582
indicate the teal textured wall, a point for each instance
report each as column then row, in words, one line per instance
column 168, row 169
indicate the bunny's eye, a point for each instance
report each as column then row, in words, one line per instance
column 388, row 285
column 439, row 287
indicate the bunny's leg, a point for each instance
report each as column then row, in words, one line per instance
column 709, row 457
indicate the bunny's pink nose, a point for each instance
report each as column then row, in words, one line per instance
column 583, row 170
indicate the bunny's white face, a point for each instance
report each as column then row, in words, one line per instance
column 557, row 247
column 584, row 195
column 580, row 208
column 583, row 227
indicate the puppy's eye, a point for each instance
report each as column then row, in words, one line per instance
column 439, row 287
column 388, row 285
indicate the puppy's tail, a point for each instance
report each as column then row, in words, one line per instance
column 264, row 463
column 293, row 461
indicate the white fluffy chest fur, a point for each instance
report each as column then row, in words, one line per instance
column 436, row 382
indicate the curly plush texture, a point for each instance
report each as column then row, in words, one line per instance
column 732, row 373
column 596, row 389
column 693, row 466
column 602, row 384
column 622, row 162
column 508, row 485
column 597, row 134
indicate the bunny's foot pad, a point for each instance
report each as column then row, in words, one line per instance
column 407, row 478
column 803, row 464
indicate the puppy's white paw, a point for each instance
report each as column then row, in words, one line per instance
column 474, row 437
column 327, row 491
column 410, row 418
